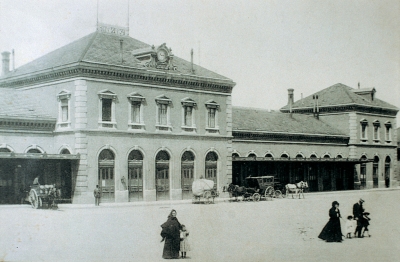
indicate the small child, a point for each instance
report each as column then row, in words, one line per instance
column 349, row 226
column 366, row 223
column 184, row 241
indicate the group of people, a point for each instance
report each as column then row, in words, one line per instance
column 332, row 231
column 175, row 237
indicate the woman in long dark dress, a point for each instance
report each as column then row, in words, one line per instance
column 171, row 235
column 332, row 231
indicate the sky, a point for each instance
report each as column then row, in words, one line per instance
column 264, row 46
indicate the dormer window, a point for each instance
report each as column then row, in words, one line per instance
column 188, row 107
column 376, row 125
column 388, row 132
column 364, row 133
column 136, row 102
column 64, row 107
column 212, row 116
column 107, row 101
column 163, row 113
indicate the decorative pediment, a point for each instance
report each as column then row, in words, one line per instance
column 136, row 97
column 159, row 57
column 212, row 104
column 376, row 123
column 107, row 94
column 64, row 94
column 188, row 102
column 162, row 99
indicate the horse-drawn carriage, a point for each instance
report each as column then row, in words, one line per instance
column 44, row 194
column 203, row 191
column 262, row 187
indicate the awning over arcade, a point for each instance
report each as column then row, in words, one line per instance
column 43, row 156
column 302, row 160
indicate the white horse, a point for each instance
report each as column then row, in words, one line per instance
column 296, row 189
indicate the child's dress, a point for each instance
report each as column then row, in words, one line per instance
column 184, row 241
column 350, row 226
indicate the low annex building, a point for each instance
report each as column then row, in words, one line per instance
column 142, row 124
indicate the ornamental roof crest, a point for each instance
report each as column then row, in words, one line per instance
column 158, row 57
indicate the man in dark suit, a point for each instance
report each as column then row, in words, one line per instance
column 358, row 215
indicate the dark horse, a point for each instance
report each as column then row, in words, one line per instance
column 237, row 191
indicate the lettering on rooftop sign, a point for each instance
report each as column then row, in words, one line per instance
column 113, row 30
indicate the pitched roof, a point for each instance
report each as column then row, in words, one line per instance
column 260, row 120
column 105, row 49
column 16, row 104
column 339, row 94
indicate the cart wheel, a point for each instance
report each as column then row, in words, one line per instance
column 256, row 197
column 269, row 192
column 207, row 197
column 40, row 203
column 33, row 199
column 278, row 194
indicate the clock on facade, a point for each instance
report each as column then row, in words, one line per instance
column 162, row 55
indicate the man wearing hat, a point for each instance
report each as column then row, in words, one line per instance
column 358, row 215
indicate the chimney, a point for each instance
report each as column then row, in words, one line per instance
column 5, row 63
column 13, row 58
column 121, row 47
column 191, row 61
column 290, row 101
column 315, row 106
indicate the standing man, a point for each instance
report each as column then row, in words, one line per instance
column 97, row 195
column 358, row 215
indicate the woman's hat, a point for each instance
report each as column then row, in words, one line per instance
column 349, row 217
column 362, row 200
column 335, row 203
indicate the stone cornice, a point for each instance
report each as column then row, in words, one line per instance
column 120, row 74
column 11, row 123
column 240, row 135
column 345, row 108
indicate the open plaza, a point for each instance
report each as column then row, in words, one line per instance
column 278, row 230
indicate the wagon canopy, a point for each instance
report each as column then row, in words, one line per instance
column 201, row 185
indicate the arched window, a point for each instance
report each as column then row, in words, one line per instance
column 235, row 155
column 299, row 156
column 106, row 175
column 187, row 174
column 135, row 175
column 284, row 155
column 363, row 172
column 34, row 150
column 5, row 150
column 375, row 171
column 269, row 155
column 65, row 152
column 211, row 167
column 162, row 175
column 387, row 171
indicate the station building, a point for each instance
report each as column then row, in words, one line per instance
column 142, row 124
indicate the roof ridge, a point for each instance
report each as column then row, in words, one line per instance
column 95, row 34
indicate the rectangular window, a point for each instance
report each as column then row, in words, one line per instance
column 188, row 115
column 387, row 133
column 162, row 114
column 135, row 117
column 211, row 117
column 64, row 110
column 106, row 109
column 376, row 132
column 363, row 131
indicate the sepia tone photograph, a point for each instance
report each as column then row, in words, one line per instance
column 205, row 130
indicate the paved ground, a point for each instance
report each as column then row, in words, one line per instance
column 278, row 230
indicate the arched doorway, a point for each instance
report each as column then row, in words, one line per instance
column 135, row 175
column 363, row 173
column 162, row 175
column 187, row 174
column 387, row 171
column 106, row 175
column 375, row 171
column 212, row 167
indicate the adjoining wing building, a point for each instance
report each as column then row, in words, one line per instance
column 142, row 124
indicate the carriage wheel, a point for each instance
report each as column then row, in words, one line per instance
column 278, row 194
column 256, row 197
column 207, row 197
column 34, row 199
column 269, row 192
